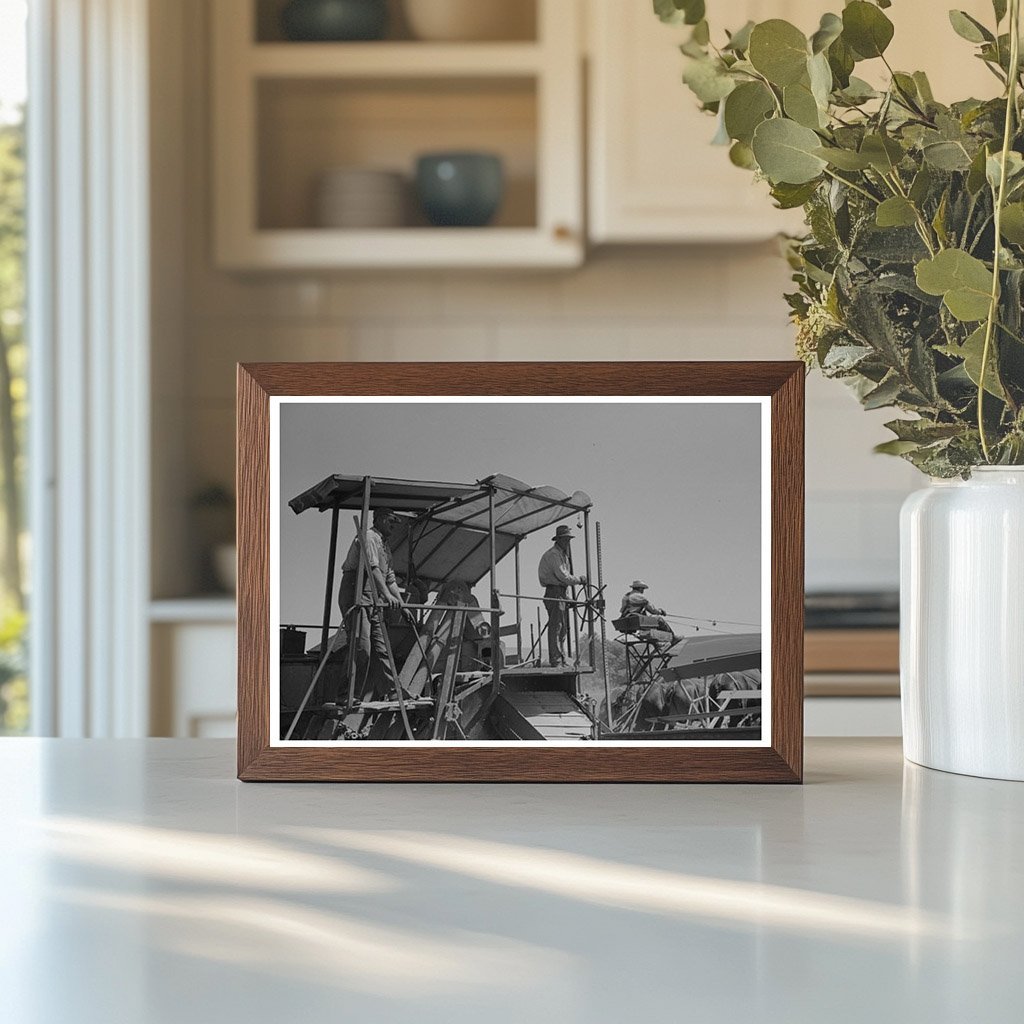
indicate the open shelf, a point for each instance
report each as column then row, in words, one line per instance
column 393, row 60
column 288, row 113
column 308, row 127
column 520, row 17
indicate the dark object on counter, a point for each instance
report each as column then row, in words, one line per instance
column 857, row 610
column 331, row 21
column 461, row 190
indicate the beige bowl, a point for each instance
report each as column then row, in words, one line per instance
column 225, row 566
column 452, row 21
column 361, row 198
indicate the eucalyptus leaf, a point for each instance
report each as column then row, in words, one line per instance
column 789, row 197
column 883, row 153
column 844, row 159
column 1012, row 225
column 896, row 447
column 922, row 185
column 963, row 281
column 924, row 87
column 676, row 12
column 741, row 155
column 739, row 41
column 829, row 30
column 884, row 395
column 786, row 152
column 895, row 213
column 858, row 91
column 976, row 173
column 745, row 108
column 819, row 75
column 866, row 29
column 841, row 60
column 779, row 51
column 947, row 156
column 939, row 220
column 972, row 352
column 923, row 431
column 1014, row 169
column 969, row 28
column 721, row 136
column 800, row 105
column 708, row 80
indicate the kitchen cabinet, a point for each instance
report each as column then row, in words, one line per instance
column 193, row 673
column 653, row 175
column 286, row 113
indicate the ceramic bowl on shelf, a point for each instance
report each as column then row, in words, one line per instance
column 460, row 189
column 332, row 21
column 471, row 20
column 361, row 198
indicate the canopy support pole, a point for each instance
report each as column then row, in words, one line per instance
column 604, row 652
column 355, row 616
column 495, row 620
column 332, row 558
column 519, row 608
column 590, row 577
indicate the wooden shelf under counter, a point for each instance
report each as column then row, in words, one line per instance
column 852, row 662
column 852, row 650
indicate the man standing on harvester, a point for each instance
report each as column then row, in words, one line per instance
column 636, row 602
column 555, row 574
column 366, row 624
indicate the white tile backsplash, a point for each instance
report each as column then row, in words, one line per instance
column 718, row 302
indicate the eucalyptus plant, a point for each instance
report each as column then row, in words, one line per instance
column 910, row 278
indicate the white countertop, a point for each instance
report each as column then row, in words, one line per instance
column 144, row 885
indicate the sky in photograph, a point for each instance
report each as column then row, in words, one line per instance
column 675, row 486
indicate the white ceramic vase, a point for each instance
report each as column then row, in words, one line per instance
column 962, row 624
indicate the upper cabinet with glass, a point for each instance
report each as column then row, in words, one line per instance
column 421, row 133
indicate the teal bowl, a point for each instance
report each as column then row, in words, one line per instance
column 460, row 190
column 334, row 21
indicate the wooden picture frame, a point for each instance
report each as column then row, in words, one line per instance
column 779, row 760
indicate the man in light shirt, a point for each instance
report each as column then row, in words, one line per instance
column 555, row 574
column 366, row 624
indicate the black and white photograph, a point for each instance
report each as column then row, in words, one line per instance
column 530, row 571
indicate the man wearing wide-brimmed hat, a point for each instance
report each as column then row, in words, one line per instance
column 555, row 574
column 365, row 623
column 636, row 602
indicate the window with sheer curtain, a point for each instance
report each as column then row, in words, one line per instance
column 14, row 547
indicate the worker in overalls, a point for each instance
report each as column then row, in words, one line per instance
column 366, row 623
column 555, row 574
column 636, row 602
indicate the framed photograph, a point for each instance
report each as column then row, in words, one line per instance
column 513, row 572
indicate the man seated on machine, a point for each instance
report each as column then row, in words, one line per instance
column 365, row 622
column 636, row 602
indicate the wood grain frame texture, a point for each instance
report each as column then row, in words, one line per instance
column 782, row 761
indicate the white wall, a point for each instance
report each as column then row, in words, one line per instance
column 667, row 303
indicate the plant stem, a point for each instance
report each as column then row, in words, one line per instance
column 923, row 228
column 993, row 309
column 855, row 187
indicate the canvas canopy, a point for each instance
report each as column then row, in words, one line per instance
column 714, row 655
column 518, row 508
column 401, row 495
column 443, row 552
column 444, row 533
